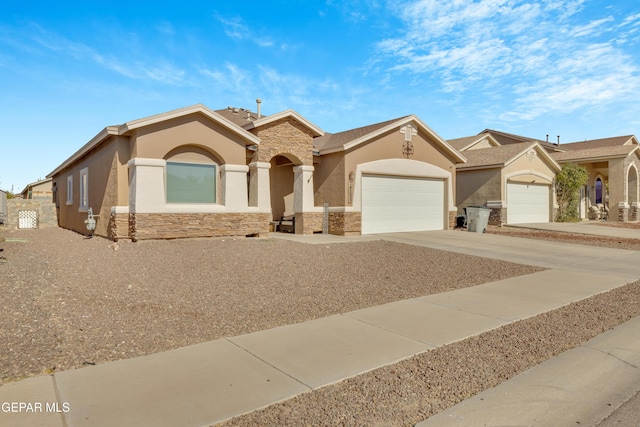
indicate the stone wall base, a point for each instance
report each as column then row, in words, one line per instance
column 177, row 226
column 308, row 222
column 634, row 214
column 623, row 214
column 498, row 216
column 118, row 227
column 452, row 220
column 345, row 223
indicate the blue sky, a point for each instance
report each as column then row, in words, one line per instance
column 557, row 67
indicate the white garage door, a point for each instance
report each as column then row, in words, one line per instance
column 527, row 203
column 393, row 204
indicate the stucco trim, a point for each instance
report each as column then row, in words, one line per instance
column 135, row 124
column 459, row 158
column 541, row 152
column 198, row 108
column 548, row 179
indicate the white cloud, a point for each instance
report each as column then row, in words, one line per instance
column 591, row 28
column 232, row 78
column 541, row 57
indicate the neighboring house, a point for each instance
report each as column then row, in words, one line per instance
column 39, row 190
column 515, row 181
column 198, row 172
column 612, row 164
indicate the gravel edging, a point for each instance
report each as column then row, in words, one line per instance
column 411, row 391
column 564, row 237
column 68, row 301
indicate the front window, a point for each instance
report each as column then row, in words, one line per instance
column 191, row 183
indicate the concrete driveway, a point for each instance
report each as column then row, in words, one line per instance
column 540, row 253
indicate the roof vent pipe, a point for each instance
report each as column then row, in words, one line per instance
column 259, row 101
column 547, row 137
column 558, row 140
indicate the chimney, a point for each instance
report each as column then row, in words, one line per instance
column 547, row 137
column 558, row 143
column 259, row 101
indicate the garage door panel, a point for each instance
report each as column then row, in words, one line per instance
column 527, row 203
column 393, row 204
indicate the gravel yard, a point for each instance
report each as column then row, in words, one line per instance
column 68, row 301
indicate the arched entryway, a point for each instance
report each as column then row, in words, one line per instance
column 281, row 181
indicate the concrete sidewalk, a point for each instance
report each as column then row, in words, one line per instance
column 214, row 381
column 581, row 386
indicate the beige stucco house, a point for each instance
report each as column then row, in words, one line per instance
column 39, row 190
column 613, row 165
column 198, row 172
column 515, row 181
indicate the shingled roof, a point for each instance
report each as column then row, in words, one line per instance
column 242, row 117
column 335, row 140
column 510, row 138
column 499, row 156
column 590, row 154
column 599, row 143
column 462, row 143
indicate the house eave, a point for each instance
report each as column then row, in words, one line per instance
column 93, row 142
column 198, row 108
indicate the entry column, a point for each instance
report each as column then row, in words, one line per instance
column 259, row 189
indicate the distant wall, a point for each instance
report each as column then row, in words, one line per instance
column 45, row 212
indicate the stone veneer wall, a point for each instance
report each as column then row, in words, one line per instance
column 308, row 222
column 284, row 136
column 47, row 215
column 118, row 226
column 175, row 226
column 345, row 223
column 498, row 216
column 452, row 220
column 623, row 214
column 634, row 215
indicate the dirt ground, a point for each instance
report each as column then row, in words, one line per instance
column 68, row 302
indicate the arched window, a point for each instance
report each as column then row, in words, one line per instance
column 598, row 190
column 192, row 176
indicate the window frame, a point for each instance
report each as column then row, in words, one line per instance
column 216, row 178
column 84, row 190
column 69, row 190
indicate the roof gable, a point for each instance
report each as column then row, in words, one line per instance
column 127, row 127
column 355, row 137
column 469, row 142
column 503, row 155
column 510, row 138
column 283, row 115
